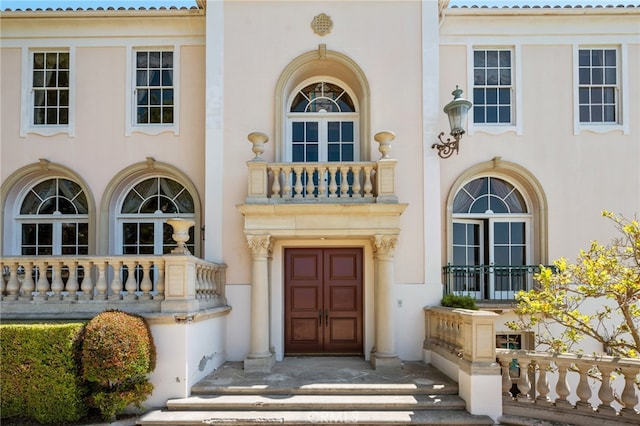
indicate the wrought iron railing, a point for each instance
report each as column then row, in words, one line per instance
column 489, row 282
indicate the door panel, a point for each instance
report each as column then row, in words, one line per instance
column 323, row 301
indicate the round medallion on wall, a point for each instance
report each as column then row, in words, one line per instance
column 322, row 24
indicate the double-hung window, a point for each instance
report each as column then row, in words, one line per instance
column 154, row 87
column 48, row 92
column 598, row 86
column 493, row 87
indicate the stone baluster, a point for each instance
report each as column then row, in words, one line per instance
column 57, row 285
column 116, row 282
column 101, row 282
column 355, row 187
column 562, row 387
column 211, row 280
column 200, row 285
column 459, row 334
column 286, row 189
column 28, row 285
column 322, row 183
column 159, row 281
column 368, row 186
column 87, row 282
column 344, row 182
column 131, row 285
column 72, row 286
column 13, row 285
column 583, row 390
column 298, row 170
column 145, row 284
column 524, row 382
column 505, row 363
column 275, row 187
column 629, row 397
column 542, row 384
column 605, row 393
column 333, row 185
column 310, row 186
column 42, row 285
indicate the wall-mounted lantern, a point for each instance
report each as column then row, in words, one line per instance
column 457, row 111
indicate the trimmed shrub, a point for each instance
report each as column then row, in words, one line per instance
column 39, row 374
column 454, row 301
column 117, row 355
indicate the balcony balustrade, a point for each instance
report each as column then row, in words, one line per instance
column 328, row 182
column 560, row 386
column 493, row 283
column 78, row 286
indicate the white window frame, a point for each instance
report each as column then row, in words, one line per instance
column 322, row 119
column 28, row 98
column 516, row 92
column 622, row 111
column 131, row 125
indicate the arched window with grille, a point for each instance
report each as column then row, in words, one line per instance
column 322, row 123
column 143, row 213
column 491, row 239
column 54, row 219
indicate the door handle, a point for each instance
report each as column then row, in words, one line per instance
column 326, row 317
column 319, row 317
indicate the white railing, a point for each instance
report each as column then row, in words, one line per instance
column 109, row 281
column 577, row 389
column 601, row 386
column 330, row 182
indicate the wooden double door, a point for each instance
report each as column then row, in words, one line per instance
column 323, row 301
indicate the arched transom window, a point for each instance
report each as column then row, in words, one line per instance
column 54, row 218
column 491, row 230
column 322, row 124
column 144, row 211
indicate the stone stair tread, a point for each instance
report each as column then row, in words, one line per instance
column 320, row 417
column 204, row 388
column 325, row 402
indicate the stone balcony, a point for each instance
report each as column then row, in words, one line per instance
column 329, row 183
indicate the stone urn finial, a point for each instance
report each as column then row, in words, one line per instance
column 384, row 139
column 180, row 234
column 258, row 140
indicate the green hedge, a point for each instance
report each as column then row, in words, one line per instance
column 39, row 373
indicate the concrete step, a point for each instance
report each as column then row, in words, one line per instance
column 317, row 402
column 362, row 418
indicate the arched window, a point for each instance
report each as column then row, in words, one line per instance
column 491, row 239
column 322, row 123
column 144, row 211
column 53, row 219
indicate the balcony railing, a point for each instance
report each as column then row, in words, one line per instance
column 329, row 182
column 489, row 282
column 82, row 285
column 567, row 387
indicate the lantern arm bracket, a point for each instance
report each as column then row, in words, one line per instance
column 448, row 147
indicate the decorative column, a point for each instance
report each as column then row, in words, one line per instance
column 385, row 355
column 260, row 357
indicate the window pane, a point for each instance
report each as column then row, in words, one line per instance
column 167, row 78
column 480, row 205
column 478, row 96
column 517, row 233
column 609, row 113
column 38, row 61
column 142, row 60
column 517, row 255
column 167, row 115
column 597, row 58
column 38, row 79
column 584, row 75
column 596, row 113
column 154, row 59
column 63, row 79
column 492, row 58
column 492, row 115
column 504, row 114
column 143, row 115
column 459, row 233
column 497, row 205
column 333, row 129
column 312, row 153
column 610, row 76
column 596, row 95
column 505, row 77
column 129, row 233
column 155, row 115
column 312, row 132
column 479, row 77
column 297, row 153
column 583, row 95
column 505, row 58
column 29, row 234
column 459, row 255
column 45, row 234
column 492, row 96
column 347, row 131
column 65, row 206
column 597, row 76
column 146, row 233
column 297, row 132
column 333, row 152
column 154, row 77
column 143, row 96
column 492, row 76
column 585, row 117
column 347, row 152
column 155, row 96
column 501, row 256
column 501, row 233
column 478, row 114
column 584, row 57
column 504, row 96
column 610, row 58
column 479, row 58
column 167, row 59
column 141, row 78
column 63, row 97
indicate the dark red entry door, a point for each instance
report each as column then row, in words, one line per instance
column 323, row 301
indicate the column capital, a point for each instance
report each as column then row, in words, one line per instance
column 259, row 244
column 384, row 244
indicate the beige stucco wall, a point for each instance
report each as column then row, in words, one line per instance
column 99, row 149
column 383, row 39
column 581, row 173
